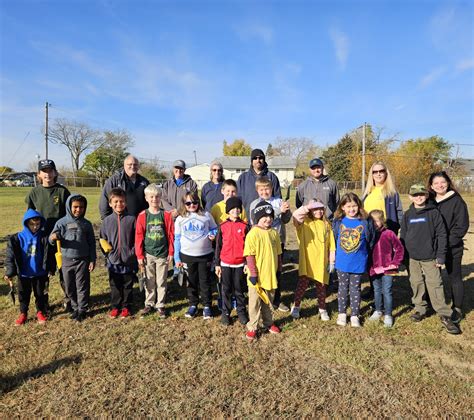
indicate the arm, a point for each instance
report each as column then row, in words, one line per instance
column 299, row 215
column 399, row 251
column 29, row 201
column 104, row 208
column 276, row 186
column 461, row 223
column 252, row 269
column 217, row 253
column 140, row 238
column 298, row 198
column 203, row 195
column 169, row 226
column 441, row 236
column 10, row 265
column 56, row 233
column 398, row 204
column 165, row 196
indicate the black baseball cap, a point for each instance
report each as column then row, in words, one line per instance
column 45, row 164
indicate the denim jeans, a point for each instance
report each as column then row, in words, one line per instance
column 383, row 287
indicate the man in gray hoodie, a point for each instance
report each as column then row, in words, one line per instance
column 76, row 236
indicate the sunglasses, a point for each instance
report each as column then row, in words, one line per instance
column 381, row 171
column 191, row 203
column 216, row 170
column 258, row 158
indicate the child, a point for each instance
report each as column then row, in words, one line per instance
column 49, row 198
column 263, row 254
column 282, row 212
column 28, row 258
column 424, row 235
column 118, row 230
column 230, row 261
column 317, row 251
column 387, row 255
column 229, row 189
column 154, row 239
column 76, row 235
column 354, row 236
column 194, row 231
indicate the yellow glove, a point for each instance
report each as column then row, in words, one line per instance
column 106, row 247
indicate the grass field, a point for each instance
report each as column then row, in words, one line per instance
column 194, row 368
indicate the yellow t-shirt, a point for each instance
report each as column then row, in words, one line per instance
column 265, row 245
column 316, row 240
column 219, row 214
column 375, row 201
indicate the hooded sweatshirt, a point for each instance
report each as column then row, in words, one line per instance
column 454, row 211
column 325, row 190
column 173, row 193
column 424, row 234
column 76, row 234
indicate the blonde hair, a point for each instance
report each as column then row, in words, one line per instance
column 379, row 215
column 263, row 181
column 388, row 187
column 153, row 189
column 219, row 165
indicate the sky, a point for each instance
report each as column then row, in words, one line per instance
column 182, row 76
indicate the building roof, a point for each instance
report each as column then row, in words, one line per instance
column 243, row 162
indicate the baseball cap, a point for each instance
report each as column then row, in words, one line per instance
column 45, row 164
column 418, row 189
column 314, row 204
column 315, row 162
column 179, row 164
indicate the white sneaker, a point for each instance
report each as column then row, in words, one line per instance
column 355, row 322
column 376, row 316
column 388, row 321
column 295, row 312
column 324, row 315
column 341, row 320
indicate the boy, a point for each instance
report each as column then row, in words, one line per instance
column 154, row 237
column 263, row 255
column 49, row 198
column 229, row 189
column 118, row 232
column 282, row 212
column 28, row 258
column 424, row 235
column 230, row 261
column 76, row 235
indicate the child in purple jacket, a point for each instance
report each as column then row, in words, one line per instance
column 387, row 255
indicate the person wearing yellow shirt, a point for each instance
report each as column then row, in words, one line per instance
column 229, row 189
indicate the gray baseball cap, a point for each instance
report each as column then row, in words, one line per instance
column 179, row 164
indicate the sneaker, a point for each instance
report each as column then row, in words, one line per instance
column 225, row 320
column 282, row 308
column 161, row 313
column 192, row 312
column 324, row 315
column 206, row 313
column 68, row 307
column 341, row 320
column 274, row 329
column 74, row 315
column 456, row 316
column 114, row 313
column 21, row 319
column 147, row 311
column 450, row 326
column 388, row 321
column 376, row 316
column 125, row 313
column 81, row 316
column 243, row 318
column 41, row 318
column 355, row 322
column 251, row 335
column 417, row 317
column 295, row 312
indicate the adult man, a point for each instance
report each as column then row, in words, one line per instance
column 318, row 186
column 131, row 182
column 246, row 182
column 176, row 188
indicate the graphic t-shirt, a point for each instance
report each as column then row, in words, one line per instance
column 156, row 243
column 352, row 248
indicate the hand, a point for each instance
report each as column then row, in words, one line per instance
column 8, row 280
column 438, row 265
column 246, row 270
column 331, row 268
column 178, row 264
column 253, row 280
column 169, row 258
column 211, row 237
column 91, row 266
column 285, row 206
column 218, row 271
column 141, row 263
column 53, row 237
column 174, row 213
column 392, row 267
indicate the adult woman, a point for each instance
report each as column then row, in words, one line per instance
column 211, row 191
column 380, row 194
column 454, row 211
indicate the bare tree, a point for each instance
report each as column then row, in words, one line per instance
column 302, row 149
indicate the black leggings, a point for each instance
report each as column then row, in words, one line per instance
column 453, row 268
column 199, row 278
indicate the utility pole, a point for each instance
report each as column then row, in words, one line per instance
column 363, row 157
column 195, row 158
column 46, row 130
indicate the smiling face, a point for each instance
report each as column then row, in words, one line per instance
column 318, row 213
column 379, row 174
column 228, row 191
column 78, row 209
column 265, row 222
column 419, row 200
column 131, row 166
column 118, row 204
column 264, row 191
column 439, row 186
column 351, row 209
column 178, row 173
column 47, row 176
column 257, row 163
column 234, row 213
column 316, row 171
column 153, row 200
column 216, row 173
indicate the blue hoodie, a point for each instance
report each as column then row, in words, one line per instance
column 32, row 251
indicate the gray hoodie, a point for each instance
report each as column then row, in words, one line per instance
column 325, row 190
column 76, row 234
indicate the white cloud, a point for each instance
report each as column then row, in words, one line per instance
column 341, row 45
column 400, row 107
column 431, row 77
column 258, row 31
column 465, row 64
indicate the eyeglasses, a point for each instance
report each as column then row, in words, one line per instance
column 258, row 158
column 191, row 203
column 216, row 170
column 381, row 171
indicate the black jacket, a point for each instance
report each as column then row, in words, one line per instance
column 424, row 234
column 455, row 215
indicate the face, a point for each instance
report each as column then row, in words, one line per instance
column 47, row 176
column 378, row 222
column 178, row 173
column 191, row 204
column 153, row 200
column 257, row 163
column 131, row 167
column 235, row 213
column 216, row 173
column 34, row 224
column 379, row 173
column 318, row 213
column 265, row 222
column 78, row 208
column 117, row 204
column 316, row 171
column 418, row 200
column 264, row 191
column 229, row 191
column 351, row 209
column 439, row 185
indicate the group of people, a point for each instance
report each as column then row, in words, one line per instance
column 234, row 235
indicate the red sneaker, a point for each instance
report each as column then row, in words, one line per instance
column 114, row 313
column 125, row 313
column 41, row 317
column 21, row 320
column 274, row 329
column 251, row 335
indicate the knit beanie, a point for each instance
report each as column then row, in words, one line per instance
column 232, row 203
column 257, row 152
column 263, row 209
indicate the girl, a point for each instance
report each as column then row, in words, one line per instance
column 354, row 236
column 317, row 251
column 194, row 232
column 387, row 255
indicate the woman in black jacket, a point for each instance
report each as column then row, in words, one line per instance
column 454, row 211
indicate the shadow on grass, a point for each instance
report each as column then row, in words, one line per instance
column 9, row 383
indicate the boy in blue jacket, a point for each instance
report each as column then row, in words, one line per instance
column 76, row 236
column 27, row 258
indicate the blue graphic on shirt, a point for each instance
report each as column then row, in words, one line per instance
column 195, row 230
